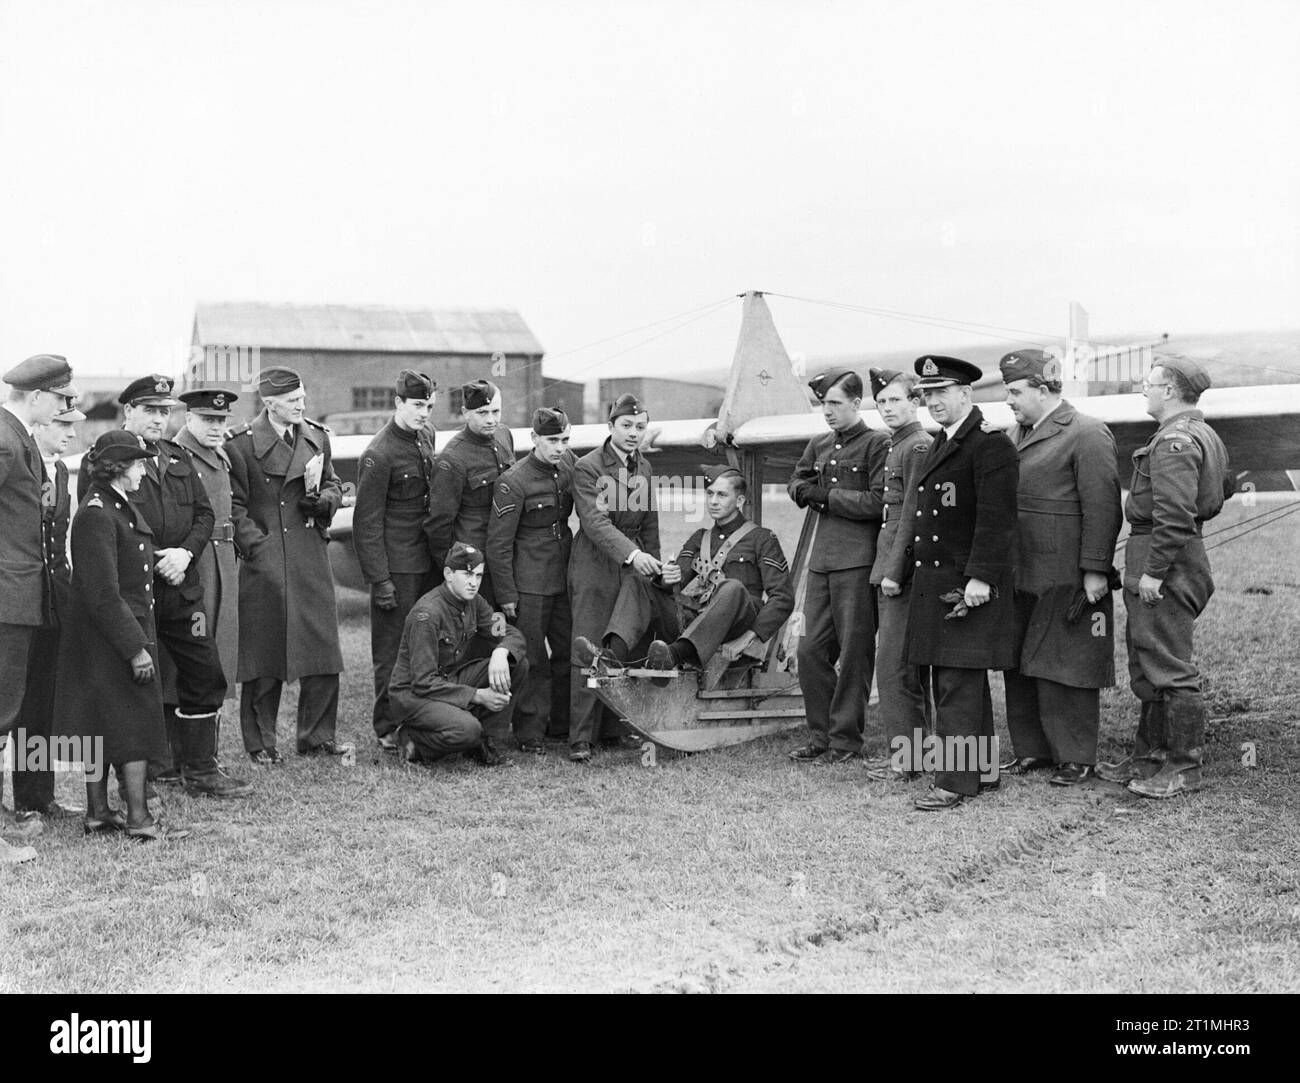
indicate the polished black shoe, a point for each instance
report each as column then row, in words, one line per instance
column 889, row 774
column 835, row 756
column 388, row 743
column 172, row 776
column 807, row 752
column 327, row 748
column 487, row 754
column 580, row 752
column 56, row 811
column 937, row 800
column 590, row 656
column 660, row 656
column 1072, row 774
column 266, row 757
column 628, row 742
column 1022, row 765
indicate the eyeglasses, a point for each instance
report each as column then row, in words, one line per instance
column 1147, row 385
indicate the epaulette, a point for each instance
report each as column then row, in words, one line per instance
column 230, row 434
column 986, row 426
column 317, row 425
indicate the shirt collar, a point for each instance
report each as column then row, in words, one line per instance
column 951, row 430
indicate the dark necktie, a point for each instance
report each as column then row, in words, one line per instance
column 288, row 436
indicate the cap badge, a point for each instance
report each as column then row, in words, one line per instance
column 218, row 400
column 929, row 368
column 162, row 385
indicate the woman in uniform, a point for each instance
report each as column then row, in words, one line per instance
column 108, row 686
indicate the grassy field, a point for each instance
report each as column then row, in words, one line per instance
column 727, row 871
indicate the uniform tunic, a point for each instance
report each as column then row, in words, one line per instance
column 441, row 662
column 460, row 499
column 110, row 620
column 1181, row 478
column 901, row 685
column 34, row 789
column 218, row 567
column 393, row 481
column 964, row 528
column 529, row 543
column 24, row 606
column 1068, row 519
column 839, row 608
column 617, row 516
column 173, row 501
column 761, row 599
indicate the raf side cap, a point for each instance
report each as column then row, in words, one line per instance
column 1197, row 378
column 415, row 385
column 118, row 445
column 938, row 371
column 713, row 471
column 463, row 558
column 478, row 393
column 881, row 379
column 277, row 381
column 209, row 400
column 823, row 383
column 628, row 406
column 1028, row 364
column 155, row 390
column 550, row 421
column 43, row 372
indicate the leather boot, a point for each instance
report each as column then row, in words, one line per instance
column 203, row 774
column 169, row 773
column 1148, row 747
column 1185, row 738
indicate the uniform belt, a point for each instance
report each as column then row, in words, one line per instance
column 1050, row 505
column 1141, row 529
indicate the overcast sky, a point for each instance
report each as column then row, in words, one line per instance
column 600, row 166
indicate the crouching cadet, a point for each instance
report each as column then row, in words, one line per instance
column 458, row 668
column 734, row 583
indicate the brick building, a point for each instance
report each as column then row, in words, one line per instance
column 349, row 355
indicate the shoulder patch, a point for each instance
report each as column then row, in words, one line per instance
column 94, row 502
column 422, row 614
column 921, row 448
column 443, row 464
column 368, row 461
column 505, row 487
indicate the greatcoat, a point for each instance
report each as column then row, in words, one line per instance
column 288, row 627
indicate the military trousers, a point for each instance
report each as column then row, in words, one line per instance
column 839, row 625
column 546, row 622
column 34, row 790
column 729, row 613
column 318, row 708
column 1052, row 721
column 386, row 636
column 15, row 647
column 185, row 634
column 963, row 721
column 438, row 728
column 641, row 612
column 1159, row 637
column 903, row 688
